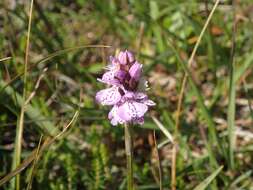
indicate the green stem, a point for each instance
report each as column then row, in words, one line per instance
column 129, row 155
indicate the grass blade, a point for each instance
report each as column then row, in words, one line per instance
column 5, row 59
column 32, row 112
column 32, row 173
column 48, row 141
column 232, row 92
column 20, row 127
column 181, row 95
column 203, row 185
column 158, row 162
column 51, row 56
column 204, row 110
column 240, row 71
column 163, row 129
column 241, row 178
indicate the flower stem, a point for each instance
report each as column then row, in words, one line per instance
column 129, row 155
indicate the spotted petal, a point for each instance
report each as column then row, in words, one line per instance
column 109, row 96
column 109, row 78
column 113, row 116
column 131, row 110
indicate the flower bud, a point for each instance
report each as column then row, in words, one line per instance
column 126, row 57
column 135, row 71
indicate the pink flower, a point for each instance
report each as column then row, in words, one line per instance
column 131, row 108
column 124, row 75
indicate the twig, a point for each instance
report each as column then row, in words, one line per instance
column 6, row 68
column 159, row 163
column 29, row 186
column 163, row 129
column 178, row 113
column 36, row 87
column 5, row 59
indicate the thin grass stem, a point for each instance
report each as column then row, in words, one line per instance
column 181, row 95
column 232, row 94
column 159, row 162
column 20, row 127
column 48, row 141
column 29, row 185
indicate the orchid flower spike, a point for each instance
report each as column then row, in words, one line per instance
column 126, row 91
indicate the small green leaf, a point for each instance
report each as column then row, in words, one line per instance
column 154, row 10
column 203, row 185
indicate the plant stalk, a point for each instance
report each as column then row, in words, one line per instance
column 129, row 156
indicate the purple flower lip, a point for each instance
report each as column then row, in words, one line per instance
column 124, row 76
column 120, row 75
column 108, row 96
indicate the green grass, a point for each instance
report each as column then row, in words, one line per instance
column 66, row 141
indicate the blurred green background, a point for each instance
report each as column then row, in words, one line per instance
column 162, row 34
